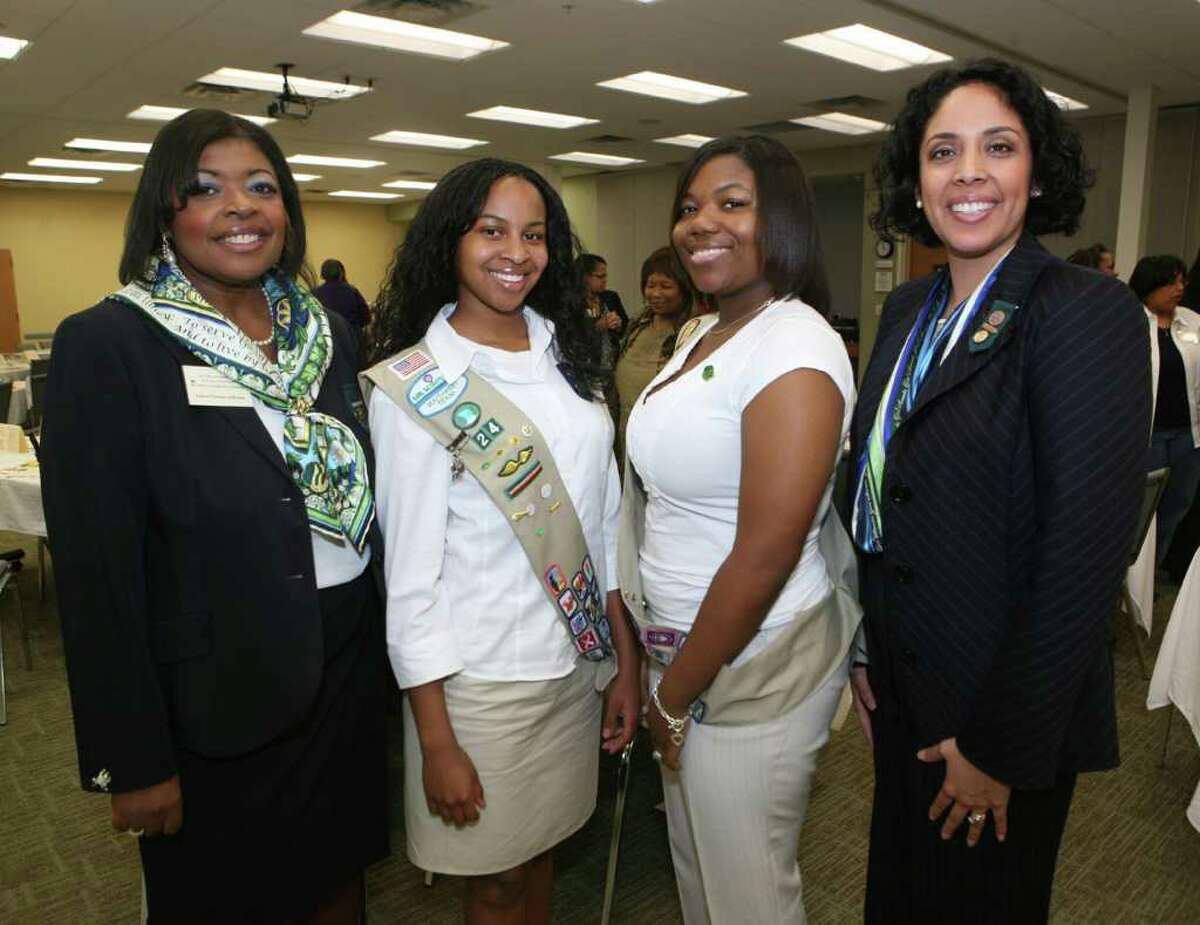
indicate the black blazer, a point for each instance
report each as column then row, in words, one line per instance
column 183, row 558
column 1011, row 495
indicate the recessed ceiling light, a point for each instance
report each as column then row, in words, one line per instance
column 651, row 83
column 273, row 83
column 320, row 160
column 68, row 164
column 1064, row 103
column 361, row 29
column 601, row 160
column 48, row 178
column 867, row 47
column 685, row 141
column 411, row 184
column 425, row 140
column 104, row 144
column 842, row 122
column 167, row 113
column 531, row 117
column 365, row 194
column 305, row 177
column 10, row 47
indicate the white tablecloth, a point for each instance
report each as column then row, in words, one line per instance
column 21, row 494
column 18, row 404
column 1140, row 578
column 1177, row 670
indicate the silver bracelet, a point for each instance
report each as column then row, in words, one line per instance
column 675, row 725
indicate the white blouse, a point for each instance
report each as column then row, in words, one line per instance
column 461, row 595
column 686, row 443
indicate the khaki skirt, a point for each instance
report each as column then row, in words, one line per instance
column 536, row 748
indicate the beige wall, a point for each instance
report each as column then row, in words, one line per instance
column 66, row 246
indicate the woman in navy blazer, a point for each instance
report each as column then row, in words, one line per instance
column 214, row 547
column 1001, row 442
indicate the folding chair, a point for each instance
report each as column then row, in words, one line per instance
column 1156, row 482
column 7, row 580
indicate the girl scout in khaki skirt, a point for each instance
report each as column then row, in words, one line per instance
column 498, row 496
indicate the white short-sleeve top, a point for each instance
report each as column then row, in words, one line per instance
column 685, row 441
column 461, row 595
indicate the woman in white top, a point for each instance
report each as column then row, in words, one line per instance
column 1175, row 364
column 735, row 442
column 502, row 722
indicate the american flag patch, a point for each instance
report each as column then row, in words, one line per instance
column 411, row 363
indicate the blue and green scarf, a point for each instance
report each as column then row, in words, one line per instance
column 322, row 454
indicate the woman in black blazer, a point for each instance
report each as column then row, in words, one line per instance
column 1001, row 441
column 206, row 478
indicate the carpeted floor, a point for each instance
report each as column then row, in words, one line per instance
column 1129, row 855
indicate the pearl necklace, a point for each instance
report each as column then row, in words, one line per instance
column 719, row 330
column 271, row 333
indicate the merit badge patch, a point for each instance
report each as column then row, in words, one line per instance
column 588, row 571
column 579, row 583
column 588, row 641
column 567, row 602
column 556, row 579
column 466, row 415
column 411, row 363
column 578, row 624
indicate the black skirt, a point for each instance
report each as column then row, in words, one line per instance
column 267, row 837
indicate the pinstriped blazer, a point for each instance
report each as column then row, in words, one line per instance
column 1010, row 498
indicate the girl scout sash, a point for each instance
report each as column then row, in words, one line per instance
column 490, row 437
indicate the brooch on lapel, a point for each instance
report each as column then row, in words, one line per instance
column 988, row 330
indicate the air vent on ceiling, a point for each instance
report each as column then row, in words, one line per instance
column 776, row 128
column 199, row 91
column 423, row 12
column 608, row 139
column 854, row 101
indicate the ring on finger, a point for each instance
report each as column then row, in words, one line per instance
column 977, row 816
column 657, row 756
column 136, row 833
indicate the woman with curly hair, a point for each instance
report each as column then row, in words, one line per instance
column 494, row 448
column 1001, row 442
column 650, row 340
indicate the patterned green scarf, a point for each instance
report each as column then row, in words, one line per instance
column 322, row 454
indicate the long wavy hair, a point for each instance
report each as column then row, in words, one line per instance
column 422, row 275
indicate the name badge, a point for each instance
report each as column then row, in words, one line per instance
column 207, row 387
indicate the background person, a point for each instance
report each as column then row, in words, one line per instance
column 1000, row 445
column 1175, row 361
column 206, row 479
column 731, row 451
column 337, row 295
column 1096, row 257
column 650, row 340
column 603, row 304
column 503, row 719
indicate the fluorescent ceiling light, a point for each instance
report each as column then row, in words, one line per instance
column 48, row 178
column 602, row 160
column 1064, row 103
column 685, row 141
column 67, row 164
column 320, row 160
column 365, row 194
column 104, row 144
column 651, row 83
column 842, row 122
column 379, row 31
column 167, row 113
column 273, row 83
column 10, row 47
column 411, row 184
column 531, row 117
column 305, row 177
column 867, row 47
column 425, row 140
